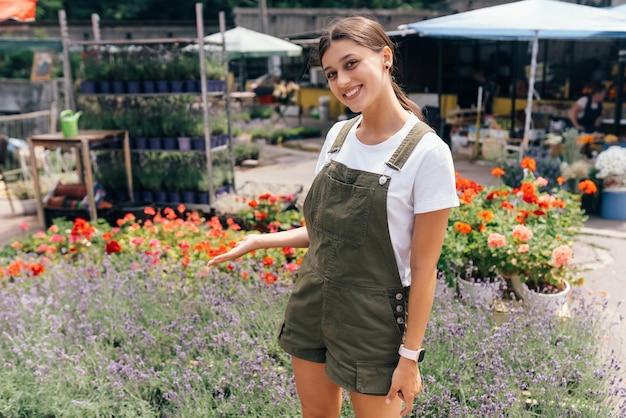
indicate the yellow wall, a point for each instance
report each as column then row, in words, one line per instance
column 309, row 96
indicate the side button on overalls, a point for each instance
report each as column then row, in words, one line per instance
column 348, row 305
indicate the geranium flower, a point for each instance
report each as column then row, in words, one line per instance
column 529, row 164
column 587, row 187
column 562, row 255
column 497, row 172
column 522, row 233
column 112, row 247
column 496, row 240
column 504, row 231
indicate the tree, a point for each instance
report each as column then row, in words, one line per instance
column 168, row 10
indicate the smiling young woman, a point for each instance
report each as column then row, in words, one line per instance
column 376, row 215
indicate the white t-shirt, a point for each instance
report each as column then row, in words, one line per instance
column 426, row 183
column 582, row 102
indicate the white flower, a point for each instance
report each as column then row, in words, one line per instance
column 553, row 139
column 611, row 164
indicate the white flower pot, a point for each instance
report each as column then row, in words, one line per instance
column 29, row 207
column 481, row 295
column 552, row 304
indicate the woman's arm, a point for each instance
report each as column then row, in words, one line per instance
column 297, row 238
column 428, row 234
column 573, row 115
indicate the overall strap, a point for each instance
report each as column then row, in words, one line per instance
column 343, row 133
column 403, row 151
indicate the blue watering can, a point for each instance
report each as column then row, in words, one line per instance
column 69, row 123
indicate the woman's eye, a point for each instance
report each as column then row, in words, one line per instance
column 330, row 75
column 351, row 63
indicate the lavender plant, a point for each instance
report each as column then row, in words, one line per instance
column 143, row 339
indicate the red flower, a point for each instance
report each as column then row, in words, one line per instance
column 36, row 269
column 270, row 278
column 112, row 247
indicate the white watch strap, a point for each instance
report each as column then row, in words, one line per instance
column 410, row 354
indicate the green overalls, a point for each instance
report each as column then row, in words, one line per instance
column 348, row 305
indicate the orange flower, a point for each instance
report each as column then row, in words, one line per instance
column 585, row 139
column 497, row 172
column 149, row 211
column 560, row 180
column 529, row 163
column 587, row 187
column 486, row 215
column 463, row 228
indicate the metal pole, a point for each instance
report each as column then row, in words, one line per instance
column 617, row 117
column 530, row 95
column 95, row 26
column 479, row 106
column 513, row 93
column 228, row 100
column 67, row 76
column 205, row 104
column 263, row 13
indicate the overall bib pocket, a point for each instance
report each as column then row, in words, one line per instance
column 344, row 211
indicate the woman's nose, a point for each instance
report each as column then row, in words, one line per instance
column 342, row 79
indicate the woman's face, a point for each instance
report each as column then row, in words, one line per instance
column 599, row 96
column 356, row 74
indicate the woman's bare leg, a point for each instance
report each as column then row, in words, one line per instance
column 319, row 397
column 368, row 406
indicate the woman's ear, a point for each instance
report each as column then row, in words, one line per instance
column 387, row 57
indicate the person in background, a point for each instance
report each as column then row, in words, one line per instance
column 376, row 216
column 586, row 113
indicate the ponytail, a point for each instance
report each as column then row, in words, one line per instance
column 407, row 103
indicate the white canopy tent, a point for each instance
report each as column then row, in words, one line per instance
column 241, row 43
column 246, row 43
column 527, row 20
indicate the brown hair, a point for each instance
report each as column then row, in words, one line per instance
column 369, row 34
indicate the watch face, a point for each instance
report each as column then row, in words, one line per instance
column 420, row 356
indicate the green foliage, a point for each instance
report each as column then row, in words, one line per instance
column 109, row 169
column 261, row 112
column 150, row 171
column 185, row 9
column 16, row 64
column 244, row 152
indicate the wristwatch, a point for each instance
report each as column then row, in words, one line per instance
column 415, row 355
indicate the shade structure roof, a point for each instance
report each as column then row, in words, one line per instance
column 526, row 19
column 246, row 43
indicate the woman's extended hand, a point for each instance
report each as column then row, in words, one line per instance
column 249, row 243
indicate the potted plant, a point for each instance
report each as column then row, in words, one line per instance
column 520, row 233
column 150, row 174
column 110, row 172
column 611, row 166
column 24, row 192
